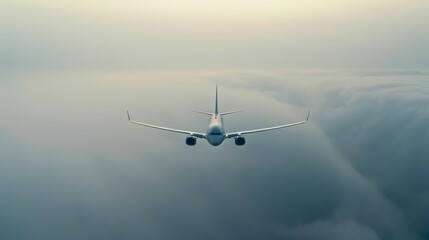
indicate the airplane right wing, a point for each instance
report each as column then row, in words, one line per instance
column 236, row 134
column 195, row 134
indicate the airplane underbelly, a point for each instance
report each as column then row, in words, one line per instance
column 215, row 140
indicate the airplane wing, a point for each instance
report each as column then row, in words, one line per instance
column 195, row 134
column 235, row 134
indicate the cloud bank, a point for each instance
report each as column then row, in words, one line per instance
column 73, row 167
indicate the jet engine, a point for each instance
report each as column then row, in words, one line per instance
column 191, row 141
column 240, row 141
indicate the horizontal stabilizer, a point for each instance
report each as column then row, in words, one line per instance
column 231, row 112
column 202, row 112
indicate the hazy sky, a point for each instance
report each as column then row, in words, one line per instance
column 73, row 167
column 214, row 34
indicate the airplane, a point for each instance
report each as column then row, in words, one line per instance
column 215, row 133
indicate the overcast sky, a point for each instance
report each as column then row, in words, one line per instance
column 214, row 34
column 73, row 167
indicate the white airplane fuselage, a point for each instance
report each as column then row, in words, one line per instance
column 215, row 132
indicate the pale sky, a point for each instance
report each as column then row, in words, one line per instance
column 214, row 34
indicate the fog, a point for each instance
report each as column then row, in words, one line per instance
column 72, row 166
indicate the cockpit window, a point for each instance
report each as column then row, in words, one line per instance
column 214, row 133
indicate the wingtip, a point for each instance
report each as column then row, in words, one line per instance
column 128, row 114
column 308, row 115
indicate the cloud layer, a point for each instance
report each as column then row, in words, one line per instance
column 72, row 167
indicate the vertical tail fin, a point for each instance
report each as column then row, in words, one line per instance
column 216, row 105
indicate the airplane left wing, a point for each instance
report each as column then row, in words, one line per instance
column 236, row 134
column 195, row 134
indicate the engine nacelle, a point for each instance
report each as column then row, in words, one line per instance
column 191, row 141
column 240, row 141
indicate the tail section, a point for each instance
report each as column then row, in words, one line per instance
column 216, row 112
